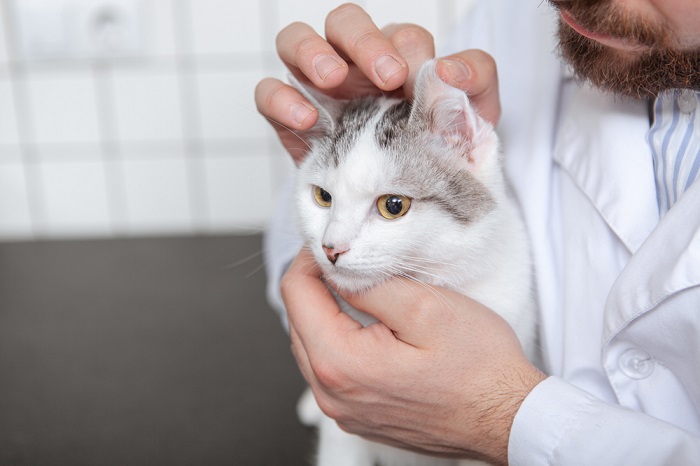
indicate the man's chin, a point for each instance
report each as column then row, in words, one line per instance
column 639, row 75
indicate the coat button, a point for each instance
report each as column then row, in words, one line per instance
column 636, row 363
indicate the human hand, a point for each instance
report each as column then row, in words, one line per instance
column 357, row 58
column 441, row 374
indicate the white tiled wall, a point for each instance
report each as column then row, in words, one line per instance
column 163, row 141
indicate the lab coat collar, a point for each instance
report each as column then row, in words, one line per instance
column 602, row 146
column 664, row 265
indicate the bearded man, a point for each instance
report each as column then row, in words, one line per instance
column 601, row 139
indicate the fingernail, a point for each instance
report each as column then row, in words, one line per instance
column 300, row 112
column 386, row 66
column 325, row 65
column 455, row 72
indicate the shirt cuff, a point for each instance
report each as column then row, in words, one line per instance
column 544, row 418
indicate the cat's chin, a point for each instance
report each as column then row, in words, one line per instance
column 350, row 282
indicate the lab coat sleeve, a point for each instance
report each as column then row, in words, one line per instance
column 281, row 243
column 561, row 424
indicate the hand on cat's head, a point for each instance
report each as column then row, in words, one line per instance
column 356, row 59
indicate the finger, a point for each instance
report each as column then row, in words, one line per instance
column 416, row 45
column 301, row 357
column 474, row 71
column 351, row 31
column 284, row 104
column 303, row 50
column 287, row 111
column 414, row 311
column 311, row 308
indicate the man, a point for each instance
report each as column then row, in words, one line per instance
column 604, row 168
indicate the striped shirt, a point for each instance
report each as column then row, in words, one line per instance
column 674, row 138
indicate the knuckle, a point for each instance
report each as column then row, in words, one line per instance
column 329, row 376
column 412, row 35
column 359, row 40
column 341, row 12
column 328, row 407
column 485, row 61
column 264, row 93
column 286, row 32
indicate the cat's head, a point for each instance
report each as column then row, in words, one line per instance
column 392, row 187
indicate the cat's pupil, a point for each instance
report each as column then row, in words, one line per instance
column 325, row 195
column 394, row 205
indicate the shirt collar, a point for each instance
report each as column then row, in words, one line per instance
column 601, row 145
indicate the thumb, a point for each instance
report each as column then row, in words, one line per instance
column 474, row 71
column 415, row 312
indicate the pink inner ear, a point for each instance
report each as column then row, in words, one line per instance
column 454, row 126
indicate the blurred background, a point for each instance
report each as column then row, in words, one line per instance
column 136, row 117
column 135, row 179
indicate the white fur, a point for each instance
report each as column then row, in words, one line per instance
column 487, row 260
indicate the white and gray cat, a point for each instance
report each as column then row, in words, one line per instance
column 394, row 188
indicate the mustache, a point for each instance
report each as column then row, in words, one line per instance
column 605, row 18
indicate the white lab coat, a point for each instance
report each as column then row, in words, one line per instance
column 618, row 290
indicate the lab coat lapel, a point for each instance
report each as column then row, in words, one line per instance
column 664, row 265
column 602, row 146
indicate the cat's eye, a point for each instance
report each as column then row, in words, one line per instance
column 393, row 206
column 323, row 197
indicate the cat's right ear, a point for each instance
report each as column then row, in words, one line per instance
column 329, row 109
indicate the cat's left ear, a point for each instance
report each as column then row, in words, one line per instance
column 329, row 109
column 447, row 113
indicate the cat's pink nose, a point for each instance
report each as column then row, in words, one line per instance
column 333, row 252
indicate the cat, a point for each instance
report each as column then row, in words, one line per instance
column 392, row 187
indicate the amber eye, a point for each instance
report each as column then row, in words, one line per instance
column 393, row 206
column 323, row 197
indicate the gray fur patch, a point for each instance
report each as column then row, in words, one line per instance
column 392, row 124
column 353, row 119
column 434, row 179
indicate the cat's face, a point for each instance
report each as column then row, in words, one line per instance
column 384, row 192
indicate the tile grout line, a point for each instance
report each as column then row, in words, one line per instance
column 191, row 119
column 111, row 152
column 36, row 197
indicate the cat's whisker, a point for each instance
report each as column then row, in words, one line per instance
column 274, row 122
column 245, row 259
column 427, row 272
column 436, row 292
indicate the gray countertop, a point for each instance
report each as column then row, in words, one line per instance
column 144, row 352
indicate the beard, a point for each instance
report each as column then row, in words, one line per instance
column 642, row 74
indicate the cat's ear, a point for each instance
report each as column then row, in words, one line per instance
column 447, row 113
column 329, row 109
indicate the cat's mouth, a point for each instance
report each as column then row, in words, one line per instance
column 350, row 280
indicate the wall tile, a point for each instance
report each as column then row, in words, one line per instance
column 227, row 105
column 15, row 218
column 63, row 106
column 3, row 42
column 240, row 191
column 8, row 123
column 147, row 105
column 157, row 195
column 223, row 26
column 75, row 196
column 162, row 35
column 10, row 153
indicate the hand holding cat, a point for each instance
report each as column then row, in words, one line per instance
column 442, row 374
column 357, row 58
